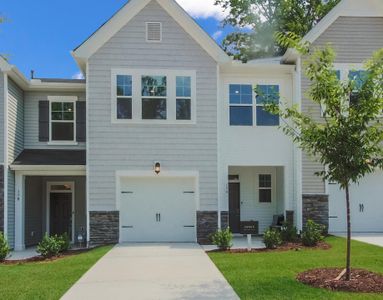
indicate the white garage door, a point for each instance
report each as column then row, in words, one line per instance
column 157, row 210
column 366, row 206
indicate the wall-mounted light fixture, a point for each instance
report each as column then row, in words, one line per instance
column 157, row 167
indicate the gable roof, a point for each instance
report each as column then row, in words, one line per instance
column 345, row 8
column 131, row 9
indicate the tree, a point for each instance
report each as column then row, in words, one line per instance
column 349, row 139
column 257, row 20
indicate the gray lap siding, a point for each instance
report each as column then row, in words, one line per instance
column 354, row 39
column 178, row 147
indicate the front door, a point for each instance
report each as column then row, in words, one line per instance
column 61, row 213
column 234, row 207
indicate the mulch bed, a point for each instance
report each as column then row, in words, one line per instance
column 284, row 247
column 43, row 259
column 362, row 281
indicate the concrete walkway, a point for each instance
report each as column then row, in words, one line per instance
column 153, row 271
column 369, row 238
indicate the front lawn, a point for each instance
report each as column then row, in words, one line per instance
column 271, row 275
column 46, row 280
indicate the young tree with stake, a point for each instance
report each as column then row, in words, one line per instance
column 348, row 140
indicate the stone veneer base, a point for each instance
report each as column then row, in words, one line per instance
column 207, row 223
column 104, row 227
column 315, row 207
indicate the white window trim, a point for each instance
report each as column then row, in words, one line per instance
column 71, row 99
column 137, row 97
column 146, row 32
column 254, row 105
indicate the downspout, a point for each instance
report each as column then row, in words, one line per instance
column 5, row 166
column 218, row 150
column 87, row 154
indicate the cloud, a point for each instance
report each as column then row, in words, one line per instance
column 216, row 35
column 203, row 9
column 78, row 75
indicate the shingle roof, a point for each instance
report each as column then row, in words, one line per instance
column 51, row 157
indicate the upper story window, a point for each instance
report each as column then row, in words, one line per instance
column 241, row 104
column 183, row 95
column 62, row 121
column 153, row 92
column 124, row 97
column 267, row 94
column 147, row 96
column 246, row 112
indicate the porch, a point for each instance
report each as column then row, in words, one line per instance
column 50, row 196
column 257, row 194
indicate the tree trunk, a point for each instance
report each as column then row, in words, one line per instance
column 348, row 260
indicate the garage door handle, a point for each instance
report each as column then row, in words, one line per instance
column 125, row 227
column 333, row 217
column 189, row 226
column 126, row 192
column 188, row 192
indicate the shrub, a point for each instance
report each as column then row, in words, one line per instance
column 312, row 234
column 64, row 242
column 272, row 238
column 4, row 247
column 223, row 239
column 289, row 232
column 49, row 246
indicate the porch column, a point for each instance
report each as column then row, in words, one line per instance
column 19, row 212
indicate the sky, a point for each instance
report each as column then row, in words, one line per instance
column 39, row 35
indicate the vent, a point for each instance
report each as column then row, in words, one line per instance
column 153, row 32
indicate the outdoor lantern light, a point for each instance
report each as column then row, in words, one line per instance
column 157, row 167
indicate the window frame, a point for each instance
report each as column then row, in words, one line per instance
column 262, row 105
column 271, row 188
column 63, row 99
column 251, row 105
column 137, row 96
column 254, row 84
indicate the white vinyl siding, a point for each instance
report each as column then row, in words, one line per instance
column 31, row 120
column 135, row 147
column 354, row 39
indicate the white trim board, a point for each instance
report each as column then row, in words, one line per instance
column 50, row 168
column 5, row 156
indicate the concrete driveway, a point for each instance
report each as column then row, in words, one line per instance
column 153, row 271
column 369, row 238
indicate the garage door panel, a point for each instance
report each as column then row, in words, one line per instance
column 366, row 205
column 158, row 210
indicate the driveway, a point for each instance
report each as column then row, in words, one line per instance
column 369, row 238
column 153, row 271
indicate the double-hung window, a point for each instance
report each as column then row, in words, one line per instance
column 241, row 104
column 183, row 97
column 62, row 121
column 266, row 94
column 154, row 92
column 124, row 97
column 265, row 188
column 359, row 77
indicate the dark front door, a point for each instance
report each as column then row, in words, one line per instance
column 61, row 213
column 234, row 207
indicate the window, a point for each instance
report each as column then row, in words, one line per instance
column 153, row 92
column 241, row 104
column 359, row 78
column 265, row 188
column 183, row 95
column 266, row 94
column 62, row 119
column 124, row 97
column 153, row 96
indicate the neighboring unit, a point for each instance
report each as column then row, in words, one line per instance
column 167, row 140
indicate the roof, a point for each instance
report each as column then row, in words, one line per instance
column 33, row 157
column 61, row 80
column 345, row 8
column 131, row 9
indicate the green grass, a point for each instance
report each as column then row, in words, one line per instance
column 271, row 275
column 46, row 280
